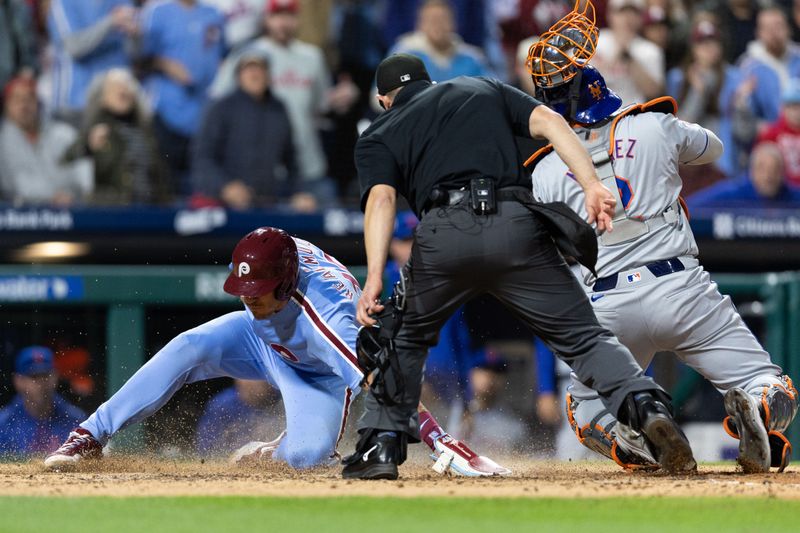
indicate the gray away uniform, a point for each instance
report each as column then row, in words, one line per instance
column 651, row 290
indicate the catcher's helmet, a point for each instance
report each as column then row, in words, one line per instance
column 265, row 260
column 585, row 99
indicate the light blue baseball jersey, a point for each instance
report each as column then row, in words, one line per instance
column 317, row 331
column 193, row 37
column 73, row 75
column 306, row 350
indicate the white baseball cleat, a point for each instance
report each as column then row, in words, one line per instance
column 256, row 451
column 453, row 456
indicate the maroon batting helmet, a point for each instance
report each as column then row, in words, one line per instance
column 265, row 260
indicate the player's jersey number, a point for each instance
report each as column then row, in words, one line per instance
column 625, row 191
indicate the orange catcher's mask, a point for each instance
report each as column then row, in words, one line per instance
column 563, row 49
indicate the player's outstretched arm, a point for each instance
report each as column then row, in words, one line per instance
column 600, row 203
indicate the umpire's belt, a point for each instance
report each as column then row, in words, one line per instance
column 449, row 197
column 572, row 235
column 647, row 272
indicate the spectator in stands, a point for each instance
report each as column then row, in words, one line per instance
column 184, row 45
column 88, row 38
column 633, row 67
column 117, row 134
column 670, row 36
column 768, row 63
column 764, row 186
column 243, row 155
column 795, row 20
column 248, row 411
column 704, row 86
column 17, row 41
column 301, row 80
column 667, row 24
column 31, row 151
column 314, row 22
column 520, row 19
column 436, row 42
column 655, row 27
column 37, row 418
column 359, row 47
column 737, row 18
column 242, row 19
column 785, row 132
column 470, row 15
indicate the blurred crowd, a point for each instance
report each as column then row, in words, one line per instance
column 258, row 103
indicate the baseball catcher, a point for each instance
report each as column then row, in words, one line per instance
column 650, row 288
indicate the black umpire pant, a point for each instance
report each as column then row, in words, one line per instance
column 458, row 255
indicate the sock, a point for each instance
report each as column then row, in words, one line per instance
column 429, row 429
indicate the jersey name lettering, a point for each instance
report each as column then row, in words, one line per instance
column 329, row 268
column 623, row 148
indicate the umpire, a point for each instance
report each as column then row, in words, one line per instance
column 449, row 149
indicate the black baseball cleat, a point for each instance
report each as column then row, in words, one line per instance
column 754, row 445
column 376, row 459
column 665, row 437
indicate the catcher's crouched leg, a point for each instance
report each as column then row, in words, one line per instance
column 758, row 417
column 597, row 429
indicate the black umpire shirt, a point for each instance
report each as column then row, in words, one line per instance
column 444, row 135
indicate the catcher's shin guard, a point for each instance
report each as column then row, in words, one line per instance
column 758, row 418
column 600, row 435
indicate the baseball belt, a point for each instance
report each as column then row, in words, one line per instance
column 652, row 270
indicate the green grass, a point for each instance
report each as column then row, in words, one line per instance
column 380, row 515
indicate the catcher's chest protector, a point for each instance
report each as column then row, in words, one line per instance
column 599, row 142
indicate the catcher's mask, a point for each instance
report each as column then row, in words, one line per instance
column 559, row 66
column 560, row 51
column 585, row 99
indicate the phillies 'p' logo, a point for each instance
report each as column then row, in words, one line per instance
column 244, row 269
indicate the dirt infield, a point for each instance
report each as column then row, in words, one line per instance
column 136, row 476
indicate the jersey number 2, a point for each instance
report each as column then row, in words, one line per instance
column 625, row 191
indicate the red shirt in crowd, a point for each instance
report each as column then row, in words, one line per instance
column 788, row 140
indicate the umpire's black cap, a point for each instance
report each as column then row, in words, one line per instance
column 398, row 70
